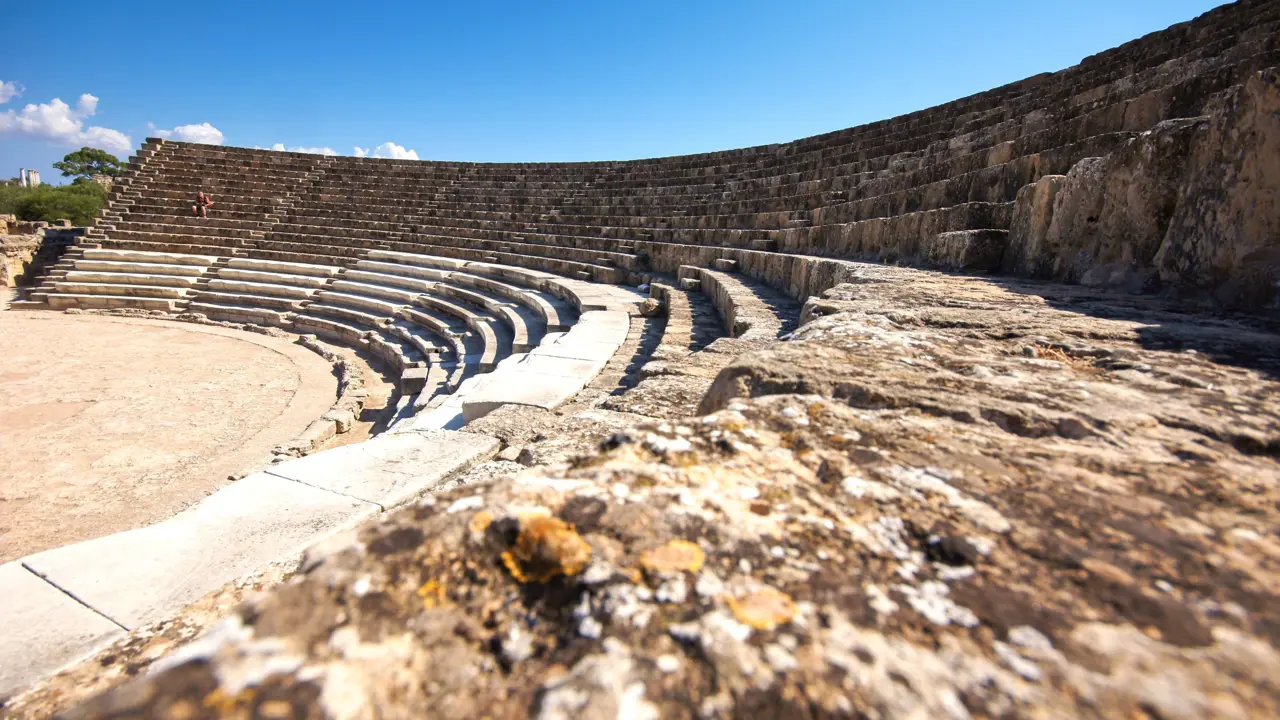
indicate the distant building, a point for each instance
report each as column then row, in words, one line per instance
column 29, row 178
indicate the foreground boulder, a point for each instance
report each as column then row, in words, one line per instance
column 945, row 498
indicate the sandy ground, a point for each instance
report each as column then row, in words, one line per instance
column 108, row 424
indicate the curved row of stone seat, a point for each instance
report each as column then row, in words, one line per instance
column 751, row 311
column 1129, row 83
column 871, row 208
column 1068, row 80
column 413, row 311
column 939, row 180
column 1006, row 190
column 692, row 320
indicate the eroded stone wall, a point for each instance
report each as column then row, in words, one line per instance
column 27, row 248
column 1191, row 205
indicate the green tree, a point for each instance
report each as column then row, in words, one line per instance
column 78, row 202
column 87, row 162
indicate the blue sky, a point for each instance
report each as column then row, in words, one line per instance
column 519, row 81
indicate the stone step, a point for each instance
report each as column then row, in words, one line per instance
column 62, row 301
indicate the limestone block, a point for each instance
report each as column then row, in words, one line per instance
column 967, row 250
column 664, row 396
column 390, row 470
column 144, row 575
column 521, row 388
column 1032, row 215
column 413, row 380
column 1225, row 231
column 561, row 366
column 43, row 628
column 1111, row 213
column 283, row 267
column 342, row 420
column 602, row 326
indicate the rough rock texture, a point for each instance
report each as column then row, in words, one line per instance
column 16, row 253
column 666, row 396
column 947, row 497
column 1027, row 253
column 533, row 436
column 1192, row 205
column 1225, row 232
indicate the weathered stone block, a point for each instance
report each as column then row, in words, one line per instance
column 967, row 250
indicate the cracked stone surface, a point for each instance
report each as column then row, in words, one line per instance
column 944, row 497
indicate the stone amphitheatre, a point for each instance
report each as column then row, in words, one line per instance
column 969, row 412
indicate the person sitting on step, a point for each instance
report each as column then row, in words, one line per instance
column 203, row 203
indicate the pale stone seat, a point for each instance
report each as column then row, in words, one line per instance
column 554, row 313
column 426, row 261
column 427, row 341
column 136, row 256
column 388, row 278
column 464, row 344
column 261, row 288
column 349, row 332
column 436, row 268
column 240, row 313
column 526, row 329
column 141, row 291
column 580, row 269
column 399, row 355
column 360, row 330
column 291, row 268
column 435, row 321
column 244, row 299
column 62, row 301
column 481, row 325
column 129, row 278
column 373, row 289
column 364, row 303
column 139, row 268
column 272, row 278
column 549, row 310
column 348, row 314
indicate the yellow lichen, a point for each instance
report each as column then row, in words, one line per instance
column 432, row 594
column 225, row 704
column 181, row 710
column 545, row 548
column 764, row 609
column 675, row 556
column 479, row 524
column 275, row 710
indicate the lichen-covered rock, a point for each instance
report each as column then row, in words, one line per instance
column 845, row 564
column 947, row 498
column 664, row 396
column 545, row 437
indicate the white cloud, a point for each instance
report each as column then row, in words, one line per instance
column 387, row 150
column 60, row 123
column 202, row 133
column 279, row 147
column 9, row 90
